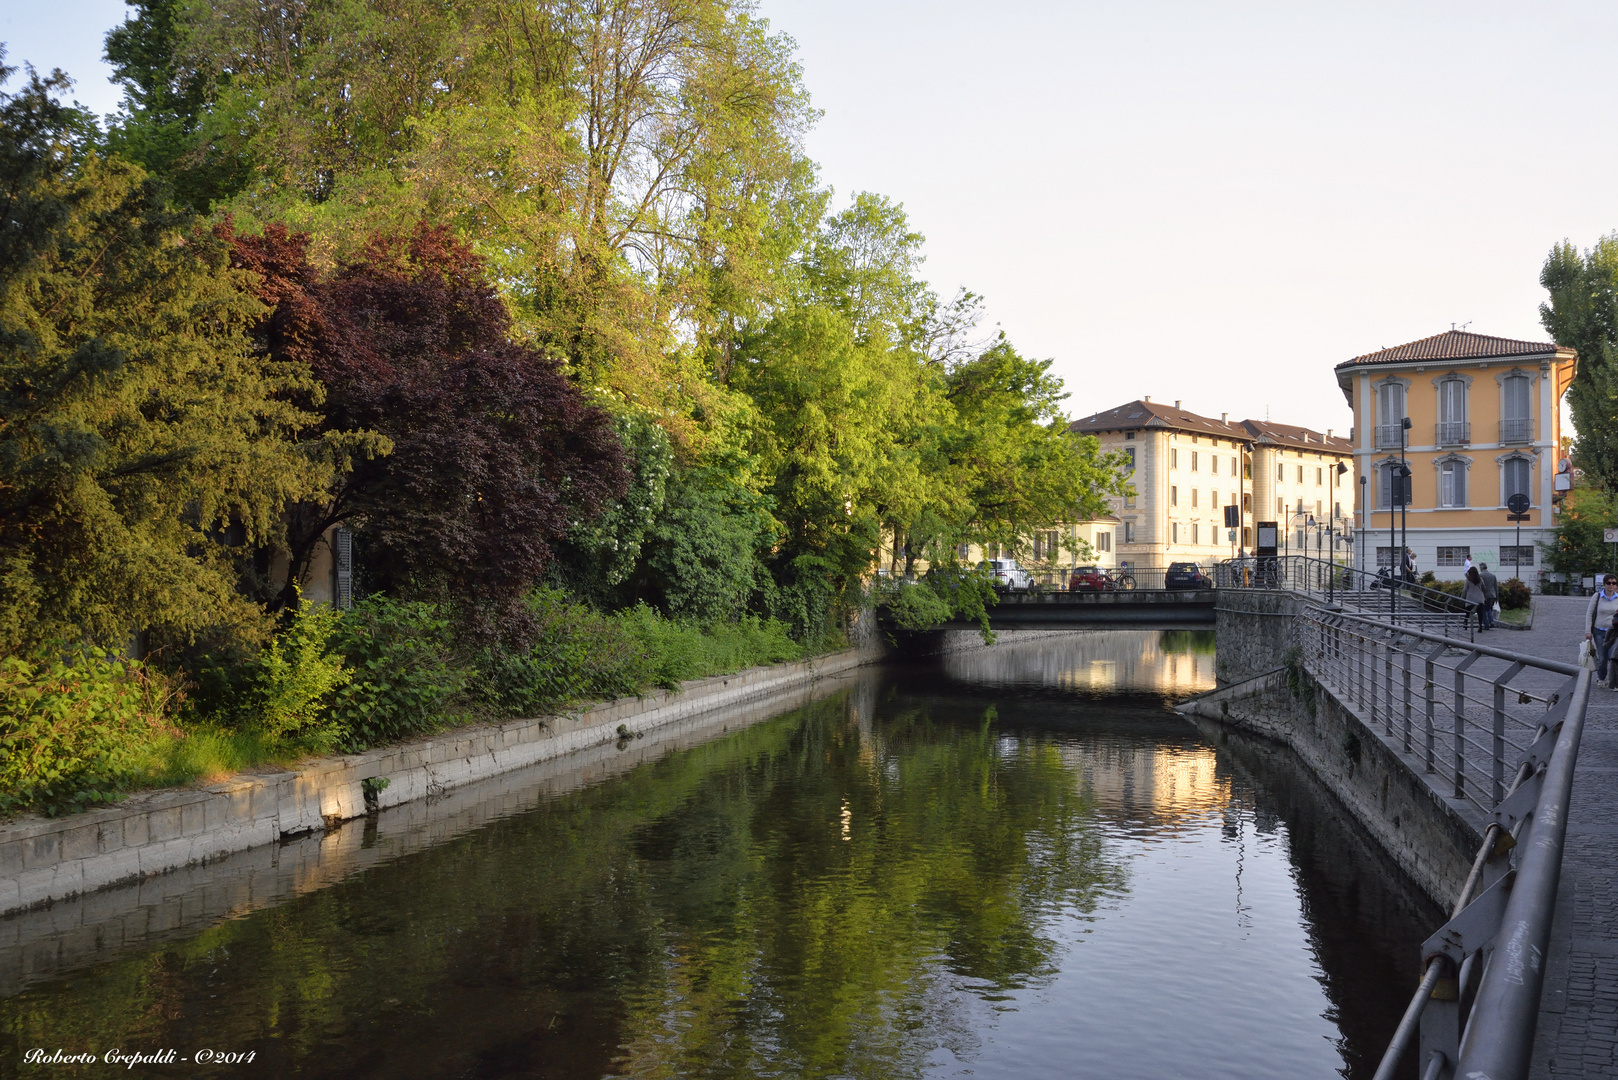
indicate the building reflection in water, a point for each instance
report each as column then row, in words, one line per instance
column 1176, row 663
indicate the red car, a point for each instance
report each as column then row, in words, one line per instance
column 1089, row 579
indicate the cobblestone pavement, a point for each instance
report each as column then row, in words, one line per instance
column 1578, row 1027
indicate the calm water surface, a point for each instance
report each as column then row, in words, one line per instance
column 1016, row 862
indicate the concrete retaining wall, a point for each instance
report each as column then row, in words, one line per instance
column 48, row 859
column 1431, row 837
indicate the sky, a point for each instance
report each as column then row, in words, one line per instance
column 1207, row 201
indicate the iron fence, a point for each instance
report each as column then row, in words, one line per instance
column 1497, row 732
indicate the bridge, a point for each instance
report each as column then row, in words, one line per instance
column 1140, row 609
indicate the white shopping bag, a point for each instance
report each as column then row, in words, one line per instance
column 1587, row 655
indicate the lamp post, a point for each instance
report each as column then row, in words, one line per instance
column 1365, row 521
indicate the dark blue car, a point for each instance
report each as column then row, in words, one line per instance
column 1186, row 575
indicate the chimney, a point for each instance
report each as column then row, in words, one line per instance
column 1224, row 418
column 1176, row 403
column 1328, row 433
column 1148, row 397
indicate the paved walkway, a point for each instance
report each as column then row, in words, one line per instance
column 1578, row 1027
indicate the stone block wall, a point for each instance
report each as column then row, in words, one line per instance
column 1254, row 631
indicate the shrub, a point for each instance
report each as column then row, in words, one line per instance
column 572, row 654
column 403, row 680
column 1514, row 595
column 295, row 678
column 73, row 728
column 675, row 650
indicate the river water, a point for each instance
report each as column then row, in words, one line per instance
column 1012, row 862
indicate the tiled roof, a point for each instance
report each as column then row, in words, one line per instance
column 1144, row 414
column 1138, row 415
column 1288, row 435
column 1454, row 345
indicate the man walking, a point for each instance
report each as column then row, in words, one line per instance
column 1491, row 596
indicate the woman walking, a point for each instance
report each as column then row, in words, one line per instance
column 1473, row 593
column 1598, row 622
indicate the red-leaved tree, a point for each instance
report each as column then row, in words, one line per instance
column 494, row 453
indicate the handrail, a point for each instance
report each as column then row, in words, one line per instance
column 1342, row 584
column 1491, row 954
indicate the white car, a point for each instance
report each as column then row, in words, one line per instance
column 1007, row 574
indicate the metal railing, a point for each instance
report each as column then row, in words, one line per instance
column 1403, row 603
column 1517, row 431
column 1497, row 732
column 1388, row 436
column 1453, row 432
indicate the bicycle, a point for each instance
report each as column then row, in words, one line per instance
column 1122, row 579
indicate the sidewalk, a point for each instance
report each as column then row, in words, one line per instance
column 1578, row 1025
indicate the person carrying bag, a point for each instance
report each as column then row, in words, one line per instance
column 1491, row 595
column 1473, row 593
column 1598, row 623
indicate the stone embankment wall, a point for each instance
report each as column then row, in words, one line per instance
column 1431, row 837
column 48, row 859
column 1254, row 630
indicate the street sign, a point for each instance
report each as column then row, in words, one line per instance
column 1518, row 517
column 1232, row 516
column 1609, row 536
column 1518, row 503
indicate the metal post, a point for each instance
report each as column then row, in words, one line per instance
column 1409, row 659
column 1432, row 704
column 1459, row 708
column 1497, row 770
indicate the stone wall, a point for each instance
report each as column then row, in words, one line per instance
column 49, row 859
column 1431, row 837
column 1254, row 628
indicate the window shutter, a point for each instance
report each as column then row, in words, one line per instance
column 342, row 568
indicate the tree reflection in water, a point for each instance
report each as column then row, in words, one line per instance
column 985, row 866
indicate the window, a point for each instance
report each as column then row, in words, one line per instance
column 1280, row 472
column 1247, row 503
column 1193, row 461
column 1174, row 532
column 1233, row 466
column 1194, row 532
column 1247, row 537
column 1317, row 509
column 1280, row 507
column 1452, row 482
column 1232, row 501
column 1337, row 510
column 1454, row 556
column 342, row 568
column 1516, row 555
column 1174, row 458
column 963, row 551
column 1103, row 541
column 1213, row 463
column 1516, row 409
column 1300, row 474
column 1174, row 495
column 1517, row 477
column 1320, row 477
column 1129, row 455
column 1390, row 411
column 1129, row 532
column 1384, row 556
column 1129, row 434
column 1452, row 425
column 1193, row 497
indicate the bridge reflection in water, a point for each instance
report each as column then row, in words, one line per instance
column 1012, row 862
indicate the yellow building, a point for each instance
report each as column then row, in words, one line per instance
column 1485, row 423
column 1186, row 468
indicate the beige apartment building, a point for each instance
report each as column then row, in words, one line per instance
column 1186, row 468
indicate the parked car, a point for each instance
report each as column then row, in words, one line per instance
column 1007, row 574
column 1090, row 579
column 1186, row 575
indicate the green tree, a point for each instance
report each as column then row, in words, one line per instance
column 138, row 430
column 1582, row 312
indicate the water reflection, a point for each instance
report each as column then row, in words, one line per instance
column 1175, row 663
column 975, row 868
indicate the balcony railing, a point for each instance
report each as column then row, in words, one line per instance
column 1387, row 436
column 1454, row 433
column 1517, row 431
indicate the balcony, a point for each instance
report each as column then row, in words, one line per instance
column 1387, row 436
column 1517, row 431
column 1453, row 433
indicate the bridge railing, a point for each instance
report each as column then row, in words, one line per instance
column 1400, row 602
column 1499, row 732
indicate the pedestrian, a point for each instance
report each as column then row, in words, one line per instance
column 1466, row 567
column 1473, row 593
column 1491, row 595
column 1410, row 566
column 1598, row 622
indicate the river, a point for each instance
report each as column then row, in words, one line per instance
column 1009, row 862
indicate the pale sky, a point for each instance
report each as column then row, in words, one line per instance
column 1208, row 201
